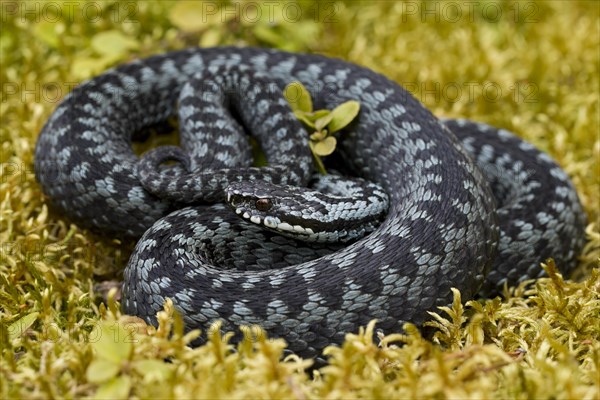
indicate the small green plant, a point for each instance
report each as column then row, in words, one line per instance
column 322, row 123
column 113, row 362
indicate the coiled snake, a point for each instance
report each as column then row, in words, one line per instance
column 472, row 205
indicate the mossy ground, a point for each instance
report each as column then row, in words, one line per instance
column 531, row 67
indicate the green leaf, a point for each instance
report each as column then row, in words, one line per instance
column 47, row 32
column 113, row 43
column 304, row 117
column 323, row 121
column 111, row 342
column 188, row 16
column 211, row 37
column 17, row 328
column 85, row 67
column 317, row 136
column 267, row 35
column 315, row 115
column 101, row 370
column 153, row 370
column 323, row 147
column 299, row 33
column 298, row 97
column 117, row 388
column 343, row 115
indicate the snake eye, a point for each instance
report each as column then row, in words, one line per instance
column 263, row 204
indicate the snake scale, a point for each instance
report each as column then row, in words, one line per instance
column 470, row 206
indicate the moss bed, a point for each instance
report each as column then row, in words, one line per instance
column 531, row 67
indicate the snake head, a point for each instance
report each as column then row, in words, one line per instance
column 308, row 214
column 273, row 207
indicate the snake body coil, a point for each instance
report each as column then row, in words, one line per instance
column 472, row 205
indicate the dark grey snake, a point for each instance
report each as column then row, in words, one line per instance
column 472, row 205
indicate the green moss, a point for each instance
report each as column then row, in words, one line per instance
column 533, row 69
